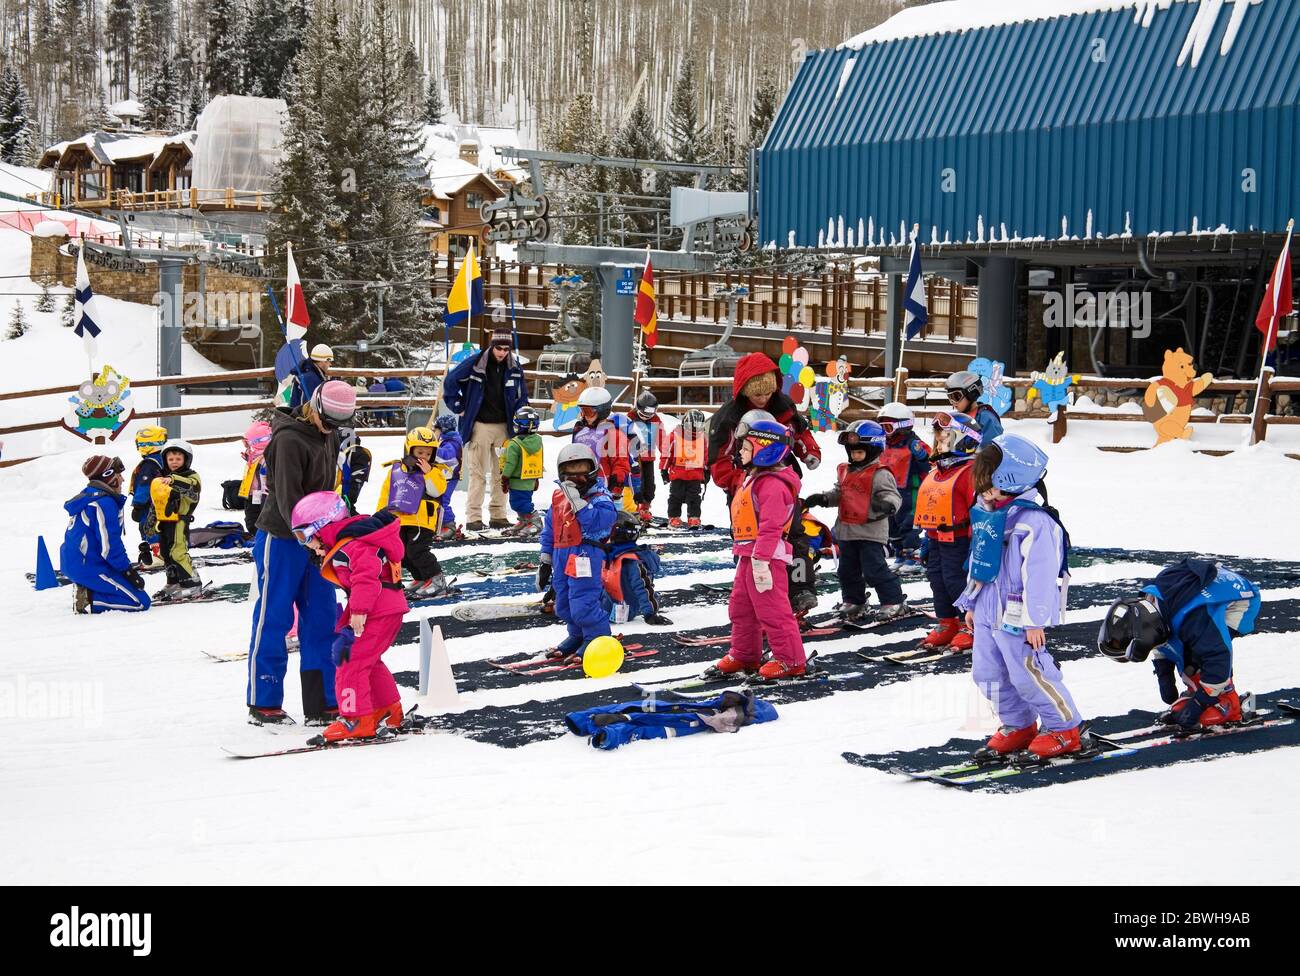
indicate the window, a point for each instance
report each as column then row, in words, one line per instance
column 92, row 184
column 473, row 200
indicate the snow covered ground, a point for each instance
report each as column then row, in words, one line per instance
column 111, row 727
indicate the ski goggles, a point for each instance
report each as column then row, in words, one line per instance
column 948, row 421
column 956, row 396
column 890, row 427
column 851, row 438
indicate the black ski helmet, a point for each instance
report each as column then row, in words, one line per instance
column 646, row 405
column 694, row 420
column 1132, row 628
column 626, row 529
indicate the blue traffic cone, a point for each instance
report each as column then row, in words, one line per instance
column 45, row 577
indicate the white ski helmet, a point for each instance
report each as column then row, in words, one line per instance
column 896, row 411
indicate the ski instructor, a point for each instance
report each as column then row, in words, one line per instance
column 486, row 391
column 301, row 458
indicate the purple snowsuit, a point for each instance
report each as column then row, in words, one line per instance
column 1022, row 684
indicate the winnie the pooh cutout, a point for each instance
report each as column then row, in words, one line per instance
column 1052, row 385
column 830, row 396
column 101, row 408
column 1168, row 400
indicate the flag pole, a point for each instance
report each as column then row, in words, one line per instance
column 1269, row 337
column 902, row 343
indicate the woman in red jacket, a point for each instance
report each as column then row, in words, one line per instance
column 756, row 386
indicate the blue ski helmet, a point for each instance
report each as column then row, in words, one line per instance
column 527, row 420
column 771, row 443
column 865, row 433
column 447, row 423
column 1023, row 464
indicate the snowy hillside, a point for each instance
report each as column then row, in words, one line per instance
column 125, row 713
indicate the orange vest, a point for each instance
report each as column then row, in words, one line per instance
column 327, row 566
column 690, row 452
column 943, row 502
column 612, row 576
column 744, row 512
column 855, row 493
column 565, row 530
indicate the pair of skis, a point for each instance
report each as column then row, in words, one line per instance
column 538, row 666
column 412, row 724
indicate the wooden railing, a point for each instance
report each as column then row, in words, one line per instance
column 193, row 198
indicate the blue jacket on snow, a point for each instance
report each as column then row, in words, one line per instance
column 610, row 726
column 1204, row 606
column 93, row 541
column 462, row 391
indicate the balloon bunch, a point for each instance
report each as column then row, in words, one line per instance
column 797, row 377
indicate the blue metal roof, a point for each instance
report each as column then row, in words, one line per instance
column 1030, row 129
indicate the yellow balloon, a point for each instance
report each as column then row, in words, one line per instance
column 603, row 656
column 807, row 377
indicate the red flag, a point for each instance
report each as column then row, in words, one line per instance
column 1277, row 297
column 646, row 314
column 296, row 318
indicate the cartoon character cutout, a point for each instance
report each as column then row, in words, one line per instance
column 595, row 375
column 564, row 406
column 997, row 396
column 831, row 396
column 101, row 408
column 1168, row 400
column 1052, row 384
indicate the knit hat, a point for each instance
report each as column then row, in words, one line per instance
column 764, row 384
column 101, row 467
column 335, row 403
column 502, row 337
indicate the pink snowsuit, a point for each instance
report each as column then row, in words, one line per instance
column 755, row 614
column 363, row 683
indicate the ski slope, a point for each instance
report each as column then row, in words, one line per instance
column 112, row 725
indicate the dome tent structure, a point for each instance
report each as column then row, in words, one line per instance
column 238, row 143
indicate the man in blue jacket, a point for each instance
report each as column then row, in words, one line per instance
column 92, row 554
column 486, row 391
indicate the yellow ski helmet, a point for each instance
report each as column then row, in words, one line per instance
column 149, row 440
column 421, row 437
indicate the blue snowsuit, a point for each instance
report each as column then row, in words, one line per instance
column 611, row 726
column 990, row 424
column 451, row 450
column 1204, row 607
column 150, row 467
column 92, row 554
column 636, row 580
column 462, row 391
column 577, row 598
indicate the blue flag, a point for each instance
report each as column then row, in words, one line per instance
column 915, row 314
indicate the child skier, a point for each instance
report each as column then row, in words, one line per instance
column 908, row 459
column 684, row 466
column 521, row 472
column 253, row 489
column 1017, row 588
column 810, row 539
column 354, row 466
column 866, row 497
column 629, row 575
column 149, row 442
column 964, row 389
column 1186, row 617
column 362, row 555
column 92, row 554
column 652, row 441
column 597, row 431
column 573, row 544
column 943, row 504
column 451, row 450
column 423, row 481
column 175, row 497
column 762, row 508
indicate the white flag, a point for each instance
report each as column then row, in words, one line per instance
column 85, row 309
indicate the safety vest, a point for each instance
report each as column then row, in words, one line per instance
column 690, row 452
column 391, row 569
column 944, row 500
column 898, row 461
column 246, row 486
column 566, row 532
column 429, row 514
column 612, row 575
column 530, row 464
column 1226, row 589
column 855, row 493
column 744, row 512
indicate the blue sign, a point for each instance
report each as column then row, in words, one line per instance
column 625, row 285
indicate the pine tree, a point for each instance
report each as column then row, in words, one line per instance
column 161, row 98
column 636, row 139
column 46, row 302
column 119, row 28
column 225, row 29
column 725, row 150
column 17, row 322
column 271, row 39
column 687, row 138
column 763, row 112
column 69, row 311
column 17, row 129
column 154, row 28
column 434, row 108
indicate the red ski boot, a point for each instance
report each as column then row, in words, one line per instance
column 675, row 523
column 775, row 670
column 643, row 513
column 727, row 667
column 390, row 715
column 1227, row 709
column 1007, row 740
column 1049, row 745
column 361, row 727
column 693, row 523
column 942, row 635
column 963, row 642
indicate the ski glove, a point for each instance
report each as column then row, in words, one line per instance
column 658, row 619
column 138, row 512
column 342, row 649
column 663, row 474
column 134, row 578
column 543, row 576
column 574, row 496
column 816, row 501
column 762, row 573
column 1165, row 676
column 1189, row 716
column 505, row 484
column 812, row 462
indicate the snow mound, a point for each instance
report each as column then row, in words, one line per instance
column 49, row 228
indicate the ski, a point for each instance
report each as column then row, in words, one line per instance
column 244, row 753
column 242, row 655
column 484, row 610
column 520, row 666
column 687, row 641
column 553, row 668
column 227, row 592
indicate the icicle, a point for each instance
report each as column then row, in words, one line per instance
column 839, row 231
column 861, row 234
column 947, row 237
column 892, row 243
column 791, row 239
column 902, row 231
column 871, row 229
column 1065, row 228
column 850, row 243
column 979, row 229
column 934, row 234
column 1128, row 224
column 821, row 238
column 1003, row 229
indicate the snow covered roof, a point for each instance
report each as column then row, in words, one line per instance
column 956, row 16
column 113, row 147
column 448, row 177
column 443, row 142
column 128, row 108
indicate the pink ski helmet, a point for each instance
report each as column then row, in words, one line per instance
column 256, row 438
column 315, row 511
